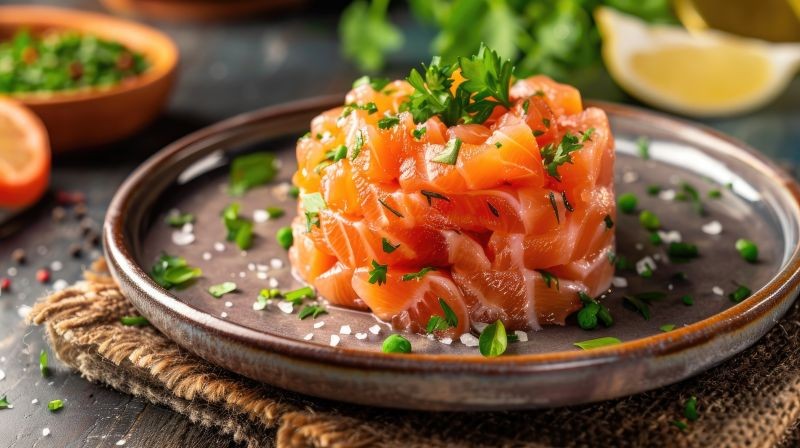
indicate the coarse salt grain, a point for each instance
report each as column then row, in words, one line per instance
column 2, row 375
column 718, row 291
column 188, row 227
column 23, row 311
column 620, row 282
column 262, row 268
column 630, row 177
column 41, row 250
column 121, row 442
column 35, row 401
column 60, row 284
column 639, row 246
column 273, row 283
column 181, row 238
column 56, row 266
column 223, row 315
column 375, row 329
column 345, row 329
column 319, row 324
column 285, row 306
column 670, row 287
column 260, row 216
column 672, row 236
column 261, row 275
column 242, row 274
column 308, row 336
column 643, row 265
column 258, row 306
column 243, row 253
column 206, row 256
column 712, row 228
column 228, row 304
column 276, row 263
column 667, row 195
column 446, row 341
column 12, row 271
column 335, row 340
column 521, row 336
column 361, row 336
column 251, row 266
column 45, row 432
column 469, row 340
column 219, row 247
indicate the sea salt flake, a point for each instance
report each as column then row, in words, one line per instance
column 223, row 315
column 469, row 340
column 251, row 266
column 276, row 263
column 361, row 336
column 262, row 268
column 60, row 284
column 667, row 195
column 645, row 263
column 2, row 375
column 260, row 216
column 45, row 432
column 219, row 247
column 639, row 246
column 12, row 271
column 181, row 238
column 35, row 401
column 121, row 442
column 375, row 329
column 228, row 304
column 258, row 306
column 446, row 341
column 319, row 324
column 630, row 177
column 286, row 307
column 261, row 275
column 308, row 336
column 345, row 329
column 242, row 274
column 619, row 282
column 23, row 311
column 672, row 236
column 712, row 228
column 273, row 283
column 335, row 340
column 670, row 287
column 206, row 256
column 56, row 266
column 521, row 336
column 718, row 291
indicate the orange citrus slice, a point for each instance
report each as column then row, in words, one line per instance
column 24, row 156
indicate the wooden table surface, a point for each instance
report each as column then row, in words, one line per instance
column 225, row 69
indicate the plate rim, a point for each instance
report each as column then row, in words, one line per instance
column 770, row 296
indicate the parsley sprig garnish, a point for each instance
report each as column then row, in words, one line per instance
column 553, row 156
column 378, row 273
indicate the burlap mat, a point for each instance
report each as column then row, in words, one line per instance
column 751, row 400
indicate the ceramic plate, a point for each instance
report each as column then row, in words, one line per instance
column 757, row 201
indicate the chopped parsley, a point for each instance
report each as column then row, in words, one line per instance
column 313, row 203
column 221, row 289
column 687, row 300
column 396, row 344
column 493, row 210
column 553, row 204
column 627, row 202
column 389, row 207
column 597, row 343
column 134, row 321
column 250, row 171
column 549, row 279
column 311, row 311
column 170, row 271
column 388, row 122
column 649, row 220
column 377, row 84
column 419, row 133
column 179, row 219
column 553, row 156
column 429, row 195
column 388, row 247
column 439, row 323
column 55, row 405
column 450, row 154
column 591, row 312
column 43, row 369
column 747, row 249
column 643, row 147
column 239, row 229
column 493, row 340
column 417, row 275
column 284, row 237
column 370, row 107
column 740, row 293
column 378, row 273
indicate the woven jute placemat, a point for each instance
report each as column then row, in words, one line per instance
column 752, row 400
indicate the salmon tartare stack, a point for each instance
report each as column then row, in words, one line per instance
column 457, row 196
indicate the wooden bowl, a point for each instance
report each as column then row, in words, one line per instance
column 96, row 116
column 197, row 10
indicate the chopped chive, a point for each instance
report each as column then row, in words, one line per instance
column 653, row 190
column 609, row 222
column 690, row 410
column 221, row 289
column 493, row 210
column 450, row 154
column 682, row 251
column 55, row 405
column 284, row 237
column 43, row 369
column 389, row 247
column 396, row 344
column 538, row 132
column 357, row 145
column 251, row 170
column 549, row 279
column 555, row 206
column 134, row 321
column 567, row 205
column 4, row 404
column 417, row 275
column 747, row 249
column 714, row 194
column 597, row 343
column 429, row 195
column 274, row 212
column 649, row 220
column 339, row 153
column 680, row 425
column 298, row 295
column 525, row 105
column 643, row 147
column 170, row 271
column 389, row 207
column 388, row 122
column 740, row 293
column 627, row 202
column 655, row 238
column 294, row 191
column 687, row 300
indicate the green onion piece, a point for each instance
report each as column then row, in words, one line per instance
column 418, row 133
column 417, row 275
column 43, row 369
column 396, row 344
column 55, row 405
column 667, row 327
column 747, row 249
column 339, row 153
column 597, row 343
column 649, row 220
column 740, row 293
column 690, row 411
column 250, row 171
column 682, row 251
column 493, row 340
column 284, row 237
column 4, row 404
column 134, row 321
column 714, row 194
column 222, row 289
column 274, row 212
column 627, row 202
column 298, row 295
column 179, row 219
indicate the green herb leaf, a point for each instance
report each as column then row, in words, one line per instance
column 591, row 344
column 378, row 273
column 377, row 84
column 655, row 238
column 667, row 327
column 4, row 404
column 747, row 249
column 417, row 275
column 680, row 425
column 313, row 202
column 222, row 289
column 367, row 34
column 553, row 156
column 450, row 154
column 294, row 191
column 298, row 295
column 312, row 311
column 690, row 410
column 339, row 153
column 396, row 344
column 549, row 279
column 682, row 251
column 390, row 208
column 274, row 212
column 653, row 190
column 649, row 220
column 418, row 133
column 740, row 293
column 714, row 194
column 284, row 237
column 591, row 312
column 250, row 171
column 358, row 145
column 388, row 122
column 134, row 321
column 55, row 405
column 627, row 202
column 486, row 76
column 170, row 271
column 449, row 315
column 436, row 323
column 641, row 302
column 179, row 219
column 643, row 146
column 43, row 369
column 388, row 247
column 429, row 195
column 608, row 221
column 493, row 340
column 239, row 230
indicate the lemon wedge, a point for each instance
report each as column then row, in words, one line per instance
column 702, row 74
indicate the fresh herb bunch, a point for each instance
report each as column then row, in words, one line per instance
column 553, row 37
column 64, row 61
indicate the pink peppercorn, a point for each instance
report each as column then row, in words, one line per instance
column 43, row 275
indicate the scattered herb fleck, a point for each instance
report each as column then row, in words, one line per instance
column 378, row 273
column 389, row 207
column 690, row 410
column 627, row 202
column 687, row 300
column 747, row 249
column 221, row 289
column 357, row 145
column 284, row 237
column 597, row 343
column 649, row 220
column 553, row 156
column 250, row 171
column 740, row 293
column 298, row 295
column 493, row 210
column 311, row 311
column 493, row 340
column 134, row 321
column 667, row 327
column 179, row 219
column 418, row 133
column 679, row 251
column 396, row 344
column 555, row 206
column 430, row 195
column 4, row 404
column 450, row 154
column 609, row 222
column 388, row 122
column 55, row 405
column 43, row 369
column 643, row 147
column 170, row 271
column 653, row 190
column 641, row 302
column 417, row 275
column 389, row 247
column 567, row 205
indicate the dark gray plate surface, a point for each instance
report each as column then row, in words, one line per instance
column 271, row 345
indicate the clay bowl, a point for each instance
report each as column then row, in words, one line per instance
column 197, row 10
column 96, row 116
